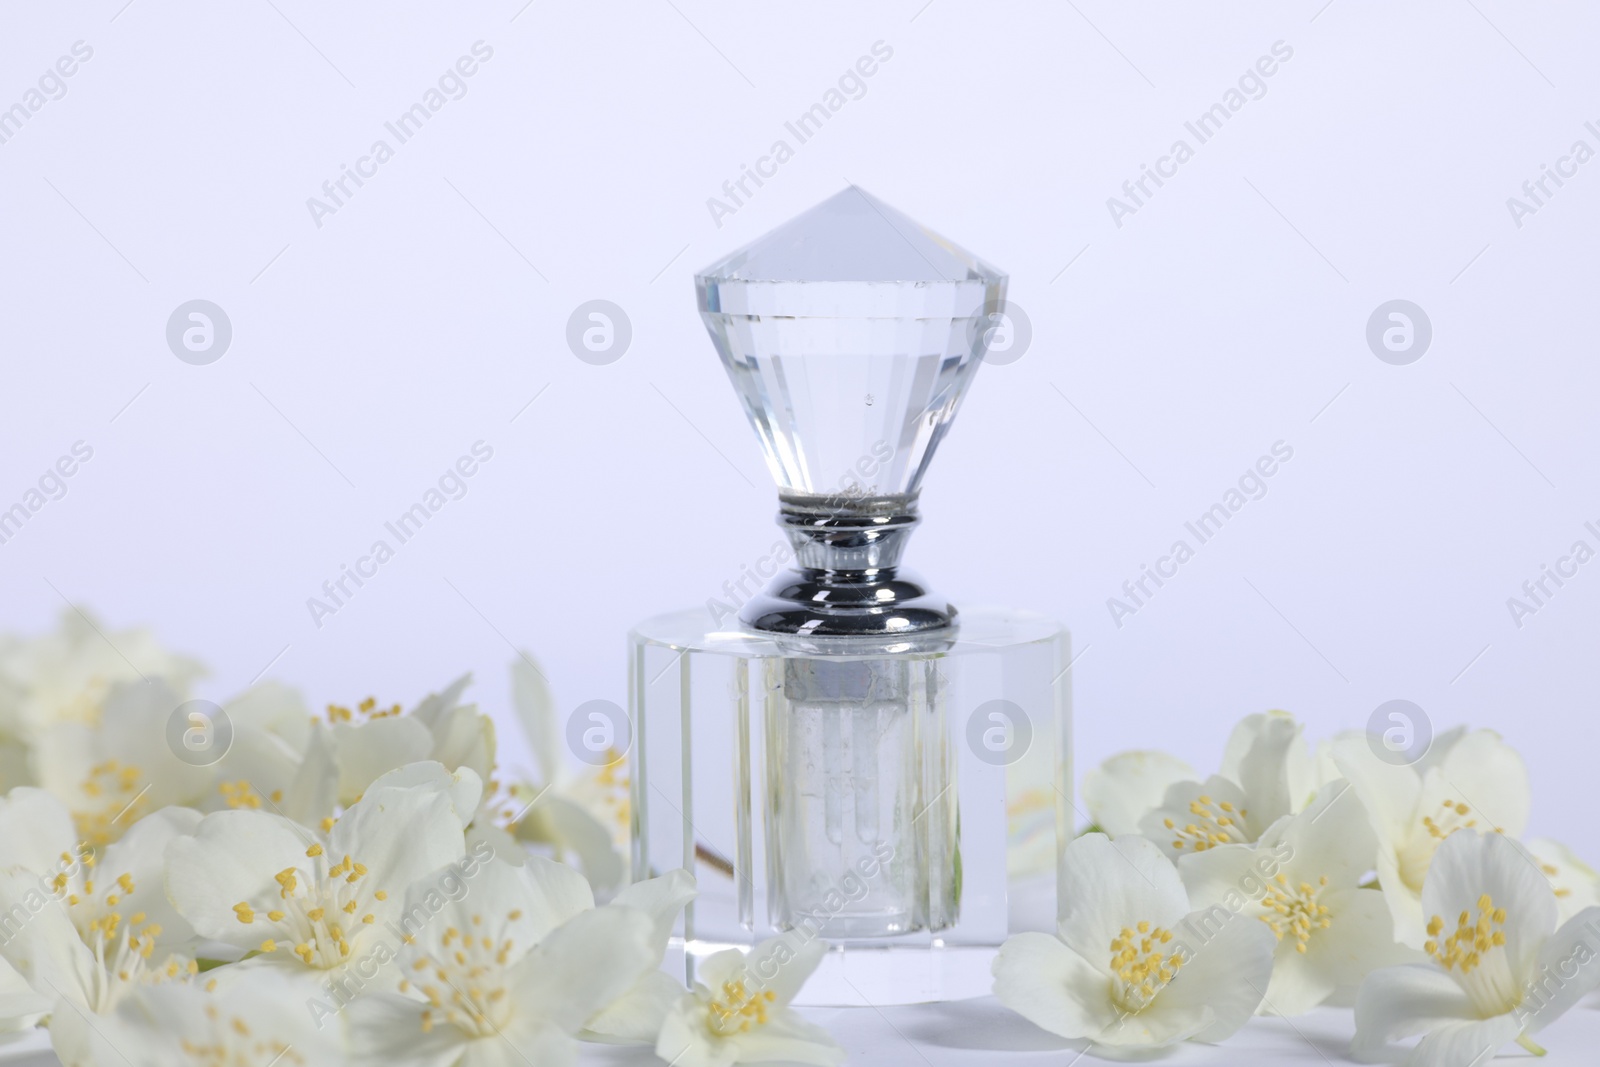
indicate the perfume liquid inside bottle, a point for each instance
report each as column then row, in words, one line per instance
column 851, row 848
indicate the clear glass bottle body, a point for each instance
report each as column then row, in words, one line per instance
column 899, row 805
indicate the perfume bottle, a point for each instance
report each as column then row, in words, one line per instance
column 852, row 758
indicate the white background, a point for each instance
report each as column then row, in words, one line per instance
column 1227, row 314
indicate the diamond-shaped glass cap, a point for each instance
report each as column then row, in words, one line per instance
column 850, row 334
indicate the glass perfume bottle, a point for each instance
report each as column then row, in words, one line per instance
column 851, row 758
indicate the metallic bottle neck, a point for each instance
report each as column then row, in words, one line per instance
column 848, row 581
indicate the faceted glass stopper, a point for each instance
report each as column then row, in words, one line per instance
column 851, row 335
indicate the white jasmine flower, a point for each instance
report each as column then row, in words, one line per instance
column 504, row 975
column 1501, row 971
column 273, row 708
column 371, row 740
column 636, row 1016
column 584, row 814
column 67, row 675
column 1478, row 783
column 259, row 1023
column 308, row 898
column 1302, row 878
column 1576, row 884
column 75, row 978
column 16, row 760
column 111, row 773
column 258, row 774
column 738, row 1011
column 559, row 893
column 20, row 1007
column 1130, row 785
column 576, row 818
column 83, row 927
column 1132, row 967
column 98, row 886
column 1326, row 767
column 1268, row 747
column 462, row 735
column 281, row 759
column 1267, row 775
